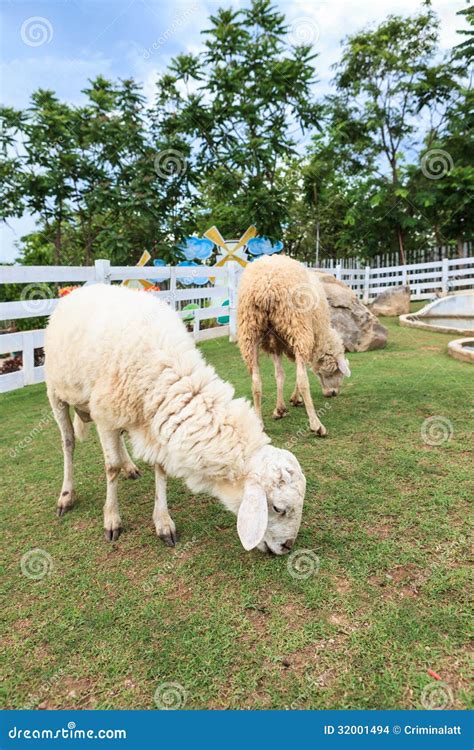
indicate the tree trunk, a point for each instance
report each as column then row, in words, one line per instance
column 401, row 249
column 57, row 245
column 399, row 230
column 460, row 246
column 88, row 247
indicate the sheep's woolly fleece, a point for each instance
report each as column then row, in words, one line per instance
column 130, row 361
column 283, row 307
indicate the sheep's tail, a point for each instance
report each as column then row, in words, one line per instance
column 81, row 428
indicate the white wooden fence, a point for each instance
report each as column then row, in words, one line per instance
column 424, row 279
column 421, row 255
column 36, row 302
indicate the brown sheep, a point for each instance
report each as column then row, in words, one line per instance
column 283, row 309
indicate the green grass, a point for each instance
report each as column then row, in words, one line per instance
column 386, row 513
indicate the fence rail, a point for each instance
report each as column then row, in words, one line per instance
column 424, row 279
column 422, row 255
column 36, row 302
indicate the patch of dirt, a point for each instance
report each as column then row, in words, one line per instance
column 340, row 621
column 342, row 585
column 410, row 575
column 381, row 530
column 73, row 690
column 82, row 525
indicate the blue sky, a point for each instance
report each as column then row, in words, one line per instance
column 59, row 44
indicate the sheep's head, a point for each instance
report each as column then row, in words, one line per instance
column 269, row 515
column 331, row 367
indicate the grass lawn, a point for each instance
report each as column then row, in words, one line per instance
column 386, row 513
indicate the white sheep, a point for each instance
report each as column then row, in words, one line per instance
column 124, row 360
column 283, row 309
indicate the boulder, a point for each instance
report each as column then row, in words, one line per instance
column 359, row 328
column 393, row 302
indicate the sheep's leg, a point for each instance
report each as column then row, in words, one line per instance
column 63, row 418
column 303, row 387
column 110, row 441
column 296, row 399
column 280, row 409
column 256, row 383
column 131, row 471
column 164, row 524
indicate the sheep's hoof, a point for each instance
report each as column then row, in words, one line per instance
column 168, row 534
column 169, row 539
column 280, row 412
column 65, row 502
column 296, row 401
column 321, row 431
column 111, row 535
column 132, row 473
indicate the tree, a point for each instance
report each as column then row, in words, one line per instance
column 385, row 79
column 239, row 105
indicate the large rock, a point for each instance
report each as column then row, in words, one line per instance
column 394, row 302
column 359, row 328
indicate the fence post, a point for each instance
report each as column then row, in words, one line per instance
column 28, row 358
column 102, row 271
column 232, row 286
column 338, row 271
column 366, row 284
column 445, row 275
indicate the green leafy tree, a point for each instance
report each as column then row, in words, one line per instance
column 385, row 80
column 241, row 104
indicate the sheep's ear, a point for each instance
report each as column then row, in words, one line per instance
column 343, row 365
column 252, row 518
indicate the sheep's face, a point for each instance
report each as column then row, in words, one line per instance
column 269, row 515
column 330, row 372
